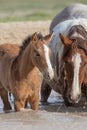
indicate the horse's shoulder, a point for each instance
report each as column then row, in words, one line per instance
column 9, row 49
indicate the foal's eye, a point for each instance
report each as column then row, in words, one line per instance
column 37, row 54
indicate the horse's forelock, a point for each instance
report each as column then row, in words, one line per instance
column 77, row 31
column 83, row 47
column 40, row 36
column 73, row 48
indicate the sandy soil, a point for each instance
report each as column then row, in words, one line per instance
column 16, row 32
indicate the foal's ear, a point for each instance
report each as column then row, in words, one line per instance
column 34, row 38
column 65, row 40
column 48, row 37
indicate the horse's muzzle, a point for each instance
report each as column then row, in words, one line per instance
column 48, row 76
column 74, row 100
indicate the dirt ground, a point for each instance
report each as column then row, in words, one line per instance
column 15, row 33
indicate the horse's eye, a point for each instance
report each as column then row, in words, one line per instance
column 37, row 54
column 66, row 62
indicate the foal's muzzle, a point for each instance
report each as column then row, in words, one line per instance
column 48, row 76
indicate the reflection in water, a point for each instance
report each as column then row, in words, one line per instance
column 55, row 104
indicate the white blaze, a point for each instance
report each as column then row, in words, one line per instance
column 50, row 70
column 76, row 59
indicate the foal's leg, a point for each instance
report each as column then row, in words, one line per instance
column 19, row 104
column 4, row 97
column 45, row 91
column 34, row 101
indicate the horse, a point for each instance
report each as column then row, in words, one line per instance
column 74, row 60
column 19, row 70
column 79, row 25
column 71, row 11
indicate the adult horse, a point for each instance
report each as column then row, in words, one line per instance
column 72, row 11
column 73, row 26
column 18, row 73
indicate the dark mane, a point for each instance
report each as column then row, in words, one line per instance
column 82, row 44
column 79, row 43
column 66, row 50
column 79, row 30
column 27, row 40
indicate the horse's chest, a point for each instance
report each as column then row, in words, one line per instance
column 34, row 79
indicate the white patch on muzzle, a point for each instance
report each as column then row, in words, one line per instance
column 76, row 59
column 50, row 70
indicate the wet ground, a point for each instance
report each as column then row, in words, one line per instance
column 54, row 115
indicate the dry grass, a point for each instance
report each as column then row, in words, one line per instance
column 26, row 10
column 15, row 32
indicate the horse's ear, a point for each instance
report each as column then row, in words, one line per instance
column 48, row 37
column 34, row 38
column 65, row 40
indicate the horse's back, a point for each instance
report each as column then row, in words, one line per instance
column 72, row 11
column 12, row 50
column 72, row 15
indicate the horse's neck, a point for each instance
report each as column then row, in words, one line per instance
column 24, row 63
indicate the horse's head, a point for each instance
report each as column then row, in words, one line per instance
column 41, row 54
column 74, row 59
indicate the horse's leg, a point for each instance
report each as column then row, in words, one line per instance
column 19, row 104
column 67, row 103
column 84, row 90
column 34, row 101
column 4, row 97
column 45, row 91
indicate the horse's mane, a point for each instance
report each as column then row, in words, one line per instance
column 81, row 37
column 25, row 43
column 79, row 43
column 64, row 27
column 77, row 30
column 83, row 45
column 27, row 40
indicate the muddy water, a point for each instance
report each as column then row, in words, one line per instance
column 42, row 120
column 54, row 115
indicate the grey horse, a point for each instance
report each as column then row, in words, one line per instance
column 74, row 11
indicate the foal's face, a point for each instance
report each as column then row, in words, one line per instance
column 75, row 64
column 41, row 56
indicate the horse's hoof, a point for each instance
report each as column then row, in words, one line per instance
column 67, row 103
column 25, row 110
column 44, row 102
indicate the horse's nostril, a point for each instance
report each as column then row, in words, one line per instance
column 78, row 98
column 48, row 76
